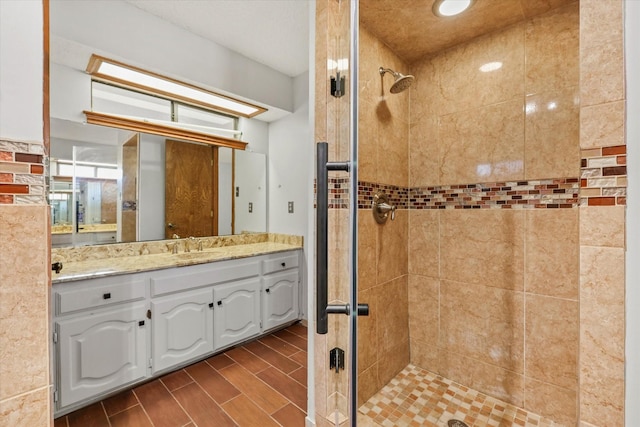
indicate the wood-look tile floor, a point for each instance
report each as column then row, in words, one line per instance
column 261, row 383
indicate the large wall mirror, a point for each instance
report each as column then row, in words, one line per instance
column 109, row 185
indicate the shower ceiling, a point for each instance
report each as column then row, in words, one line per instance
column 412, row 31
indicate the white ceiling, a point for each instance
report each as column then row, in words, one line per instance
column 272, row 32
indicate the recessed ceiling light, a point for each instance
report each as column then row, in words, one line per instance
column 446, row 8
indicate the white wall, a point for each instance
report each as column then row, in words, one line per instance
column 632, row 344
column 22, row 62
column 289, row 140
column 121, row 31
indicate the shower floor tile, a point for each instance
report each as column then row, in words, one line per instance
column 416, row 397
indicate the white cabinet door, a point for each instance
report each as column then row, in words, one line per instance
column 100, row 352
column 182, row 328
column 236, row 311
column 280, row 298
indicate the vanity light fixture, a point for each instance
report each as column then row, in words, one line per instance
column 447, row 8
column 115, row 72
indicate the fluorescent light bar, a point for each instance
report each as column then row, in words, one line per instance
column 115, row 72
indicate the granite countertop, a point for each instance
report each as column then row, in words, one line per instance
column 90, row 267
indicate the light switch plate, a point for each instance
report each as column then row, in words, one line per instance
column 290, row 207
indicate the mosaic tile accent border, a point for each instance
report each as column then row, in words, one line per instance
column 534, row 194
column 22, row 173
column 603, row 176
column 417, row 397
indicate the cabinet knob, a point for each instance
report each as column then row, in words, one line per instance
column 106, row 296
column 268, row 290
column 219, row 302
column 284, row 264
column 141, row 323
column 210, row 305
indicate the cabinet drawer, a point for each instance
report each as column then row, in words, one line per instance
column 280, row 262
column 98, row 295
column 203, row 275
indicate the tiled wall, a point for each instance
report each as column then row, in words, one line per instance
column 525, row 304
column 383, row 281
column 21, row 173
column 602, row 214
column 493, row 292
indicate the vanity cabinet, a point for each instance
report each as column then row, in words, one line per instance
column 182, row 328
column 281, row 284
column 100, row 337
column 113, row 332
column 236, row 312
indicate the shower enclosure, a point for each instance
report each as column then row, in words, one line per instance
column 474, row 284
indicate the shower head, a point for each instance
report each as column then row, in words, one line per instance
column 401, row 82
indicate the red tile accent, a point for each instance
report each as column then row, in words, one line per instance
column 618, row 149
column 6, row 199
column 39, row 169
column 14, row 189
column 583, row 183
column 602, row 201
column 6, row 177
column 6, row 155
column 28, row 158
column 622, row 160
column 622, row 200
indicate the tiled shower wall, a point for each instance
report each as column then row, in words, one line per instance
column 494, row 291
column 505, row 286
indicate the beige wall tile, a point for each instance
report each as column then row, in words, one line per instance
column 425, row 96
column 24, row 299
column 602, row 226
column 556, row 403
column 392, row 362
column 368, row 331
column 535, row 8
column 367, row 384
column 369, row 80
column 424, row 244
column 338, row 255
column 482, row 145
column 552, row 134
column 367, row 249
column 601, row 73
column 484, row 323
column 424, row 309
column 367, row 142
column 551, row 253
column 463, row 86
column 30, row 409
column 425, row 355
column 486, row 378
column 393, row 315
column 600, row 21
column 483, row 247
column 602, row 323
column 552, row 50
column 602, row 125
column 551, row 341
column 423, row 153
column 392, row 247
column 393, row 143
